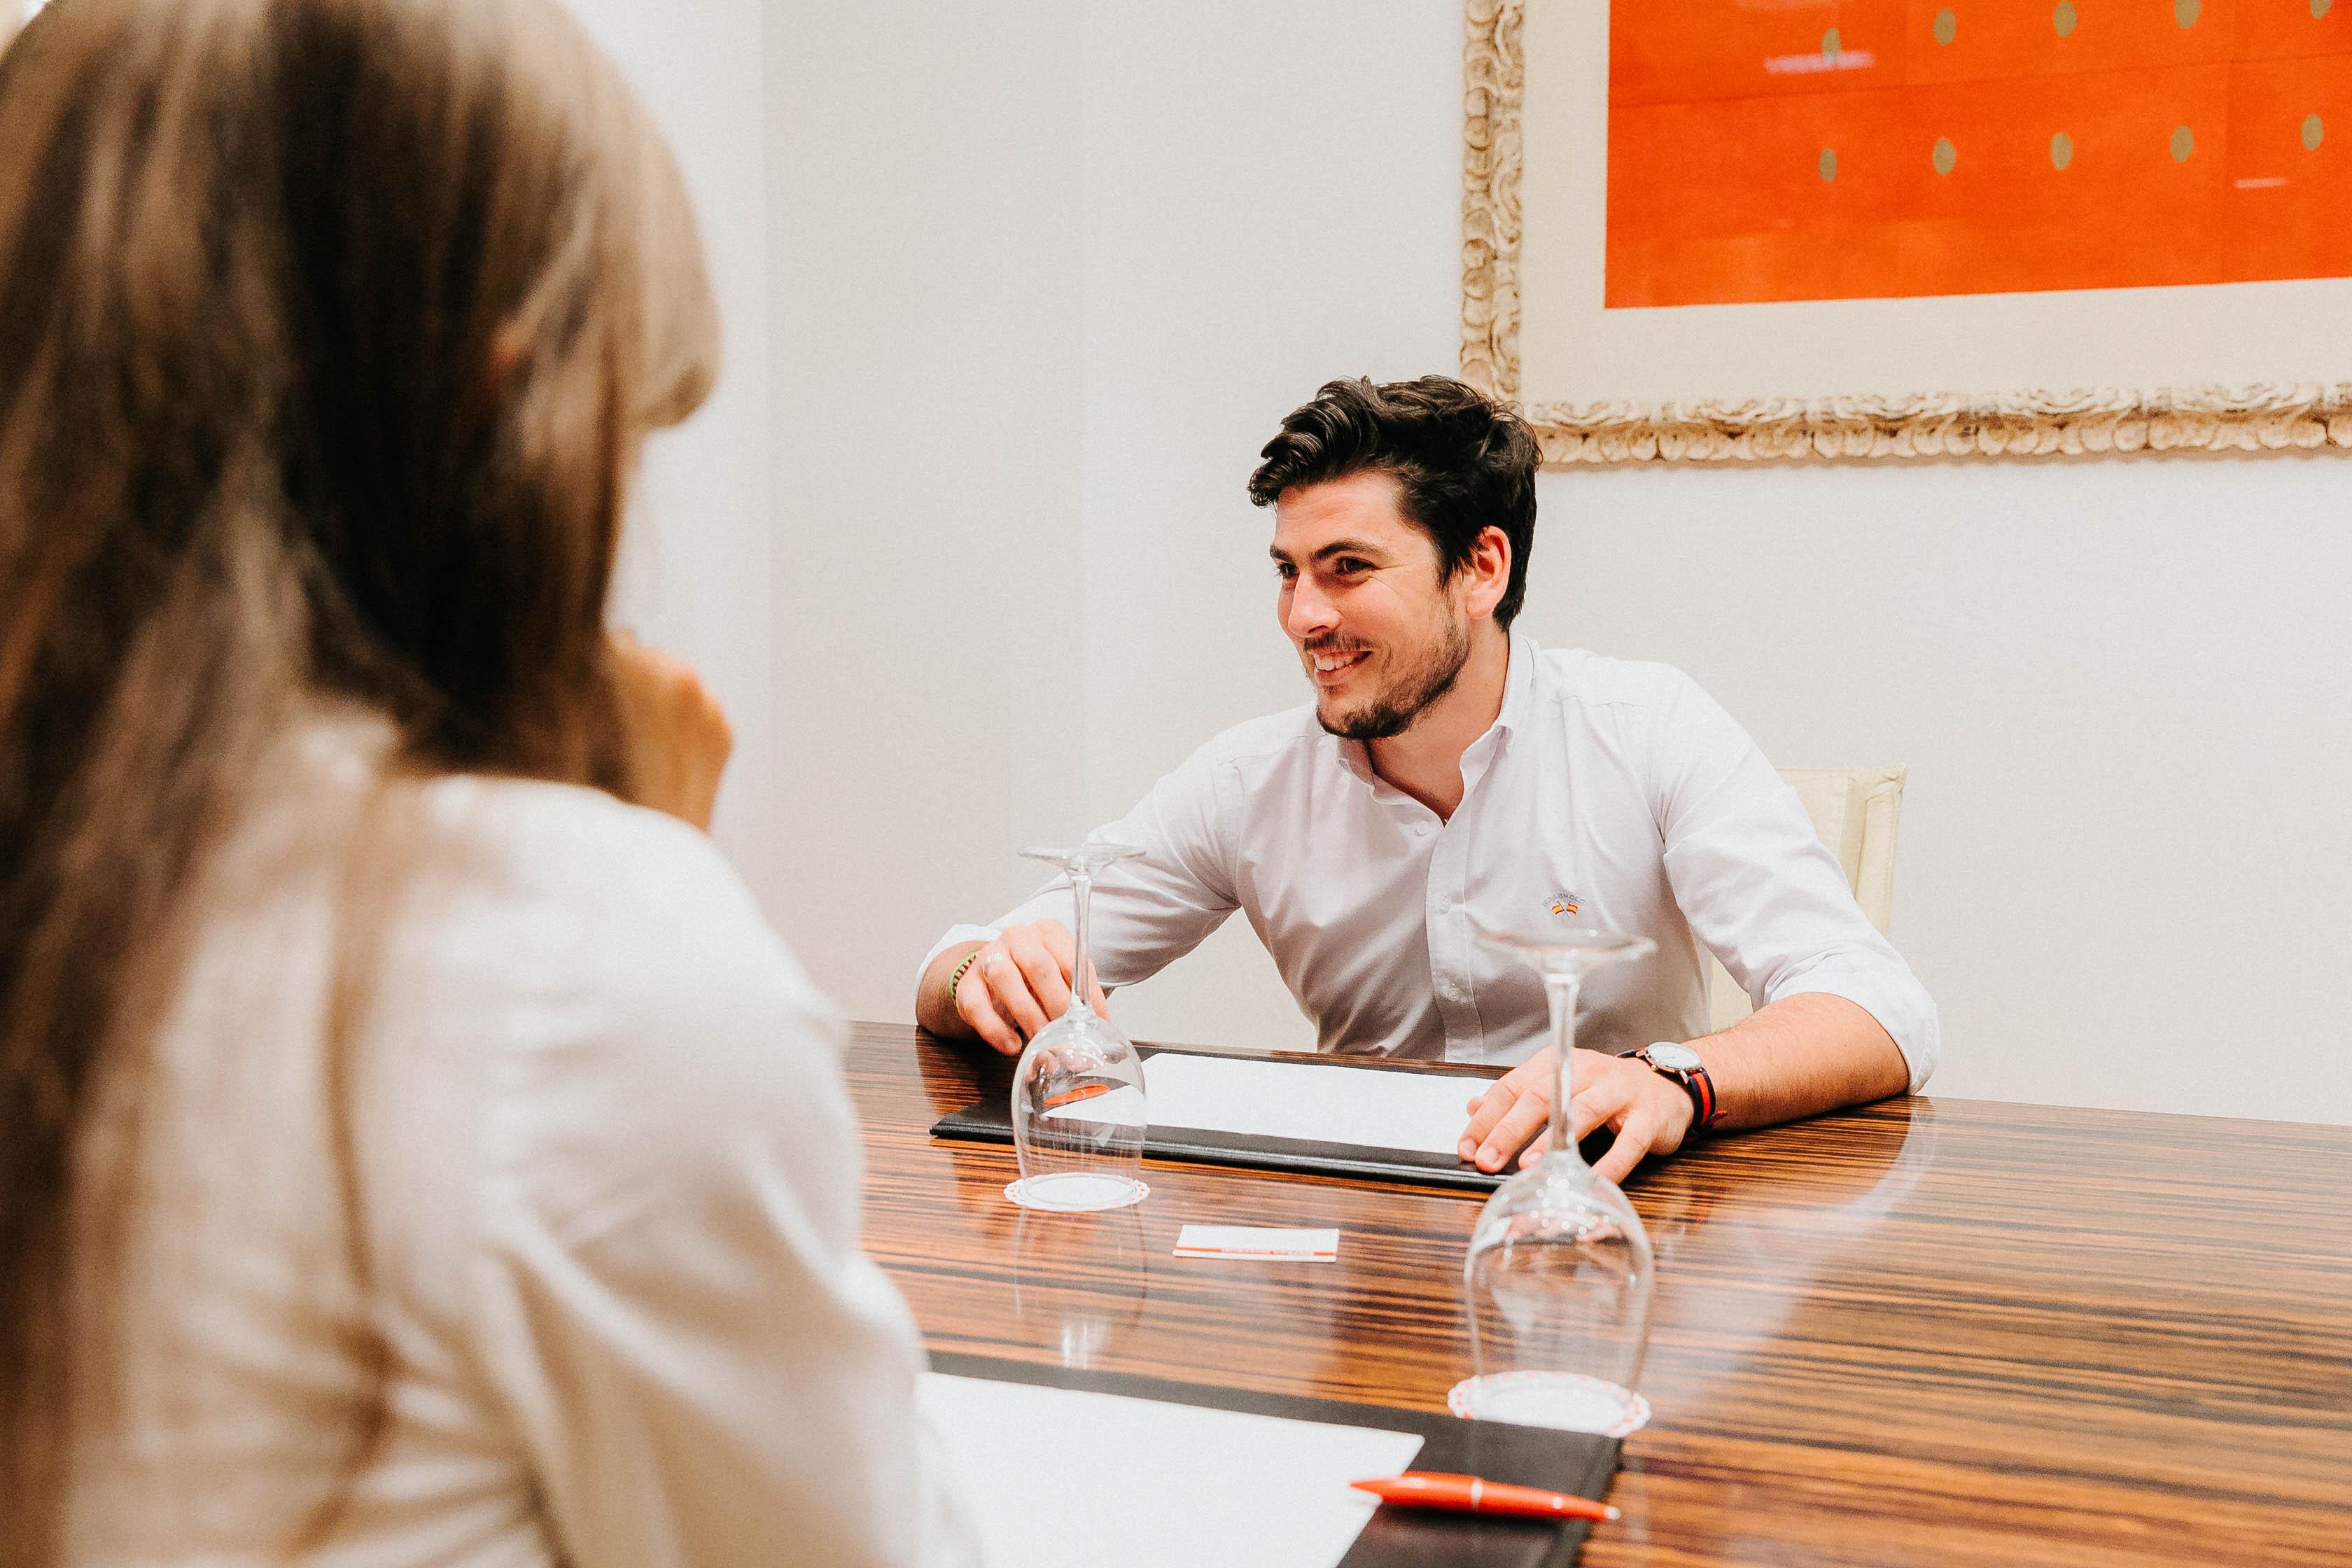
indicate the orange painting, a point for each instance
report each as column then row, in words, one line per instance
column 1765, row 150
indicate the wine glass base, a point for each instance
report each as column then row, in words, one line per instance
column 1077, row 1192
column 1567, row 1401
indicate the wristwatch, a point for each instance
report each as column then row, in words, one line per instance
column 1682, row 1064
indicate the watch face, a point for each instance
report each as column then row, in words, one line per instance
column 1674, row 1058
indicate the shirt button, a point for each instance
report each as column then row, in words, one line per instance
column 1421, row 830
column 1450, row 991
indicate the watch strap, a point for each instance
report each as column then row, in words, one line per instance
column 1702, row 1093
column 1695, row 1083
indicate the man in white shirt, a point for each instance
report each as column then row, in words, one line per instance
column 1449, row 772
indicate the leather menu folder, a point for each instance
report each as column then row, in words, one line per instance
column 1395, row 1537
column 990, row 1121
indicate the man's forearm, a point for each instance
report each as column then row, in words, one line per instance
column 934, row 1010
column 1800, row 1056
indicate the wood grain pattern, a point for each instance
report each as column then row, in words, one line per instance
column 1944, row 1332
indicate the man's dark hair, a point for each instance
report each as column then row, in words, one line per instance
column 1463, row 462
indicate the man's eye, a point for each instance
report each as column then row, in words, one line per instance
column 1348, row 567
column 1285, row 571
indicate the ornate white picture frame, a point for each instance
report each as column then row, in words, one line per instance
column 2229, row 367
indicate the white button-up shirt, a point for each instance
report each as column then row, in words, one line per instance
column 1607, row 794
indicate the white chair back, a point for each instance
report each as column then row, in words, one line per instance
column 1856, row 811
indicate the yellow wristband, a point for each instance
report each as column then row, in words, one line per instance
column 956, row 975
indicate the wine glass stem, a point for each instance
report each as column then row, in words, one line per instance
column 1560, row 991
column 1082, row 892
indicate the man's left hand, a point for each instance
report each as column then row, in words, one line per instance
column 1650, row 1112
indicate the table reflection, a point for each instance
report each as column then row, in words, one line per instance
column 1742, row 1255
column 954, row 1076
column 1805, row 1197
column 1079, row 1280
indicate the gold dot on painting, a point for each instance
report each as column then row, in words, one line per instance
column 2314, row 132
column 1948, row 27
column 1946, row 155
column 2185, row 12
column 2062, row 150
column 2184, row 142
column 2320, row 8
column 2062, row 19
column 1831, row 44
column 1828, row 165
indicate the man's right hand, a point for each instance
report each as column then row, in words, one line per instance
column 1017, row 985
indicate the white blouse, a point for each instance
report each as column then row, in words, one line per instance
column 609, row 1180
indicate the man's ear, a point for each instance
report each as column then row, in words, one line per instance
column 1488, row 570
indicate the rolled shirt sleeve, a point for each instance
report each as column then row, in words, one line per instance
column 1759, row 888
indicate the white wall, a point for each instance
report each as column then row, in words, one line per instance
column 1271, row 194
column 1045, row 277
column 696, row 561
column 2122, row 690
column 924, row 206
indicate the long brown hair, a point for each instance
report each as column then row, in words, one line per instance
column 329, row 330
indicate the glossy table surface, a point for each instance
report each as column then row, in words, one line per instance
column 1927, row 1332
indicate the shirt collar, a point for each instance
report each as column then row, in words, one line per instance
column 1518, row 683
column 1518, row 697
column 1519, row 705
column 1359, row 761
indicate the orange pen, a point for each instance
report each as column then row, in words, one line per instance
column 1472, row 1494
column 1084, row 1092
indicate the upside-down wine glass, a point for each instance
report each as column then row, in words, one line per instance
column 1078, row 1108
column 1559, row 1275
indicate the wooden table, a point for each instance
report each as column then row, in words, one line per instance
column 1930, row 1331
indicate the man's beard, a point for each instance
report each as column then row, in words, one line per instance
column 1394, row 710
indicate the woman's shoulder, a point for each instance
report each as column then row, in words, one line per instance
column 559, row 894
column 532, row 839
column 602, row 969
column 582, row 1019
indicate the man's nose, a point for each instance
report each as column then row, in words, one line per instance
column 1310, row 610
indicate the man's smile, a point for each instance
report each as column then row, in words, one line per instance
column 1332, row 665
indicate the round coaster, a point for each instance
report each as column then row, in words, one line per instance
column 1073, row 1191
column 1568, row 1401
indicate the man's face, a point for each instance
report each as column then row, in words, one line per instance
column 1377, row 634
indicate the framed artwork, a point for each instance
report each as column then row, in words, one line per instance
column 1726, row 229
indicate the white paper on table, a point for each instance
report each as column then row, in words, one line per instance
column 1260, row 1241
column 1304, row 1101
column 1058, row 1476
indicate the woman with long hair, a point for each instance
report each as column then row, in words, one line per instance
column 412, row 1148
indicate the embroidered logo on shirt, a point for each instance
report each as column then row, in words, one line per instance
column 1563, row 904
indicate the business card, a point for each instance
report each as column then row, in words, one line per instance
column 1258, row 1242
